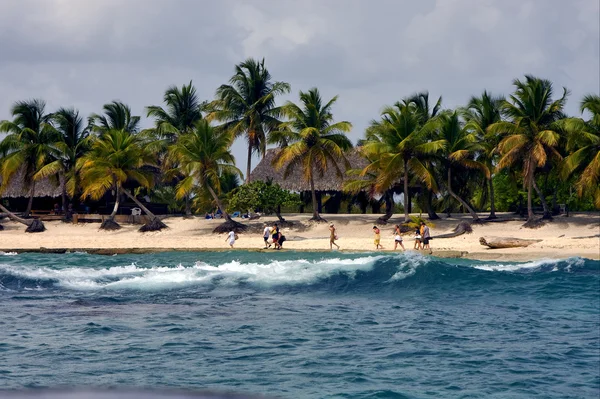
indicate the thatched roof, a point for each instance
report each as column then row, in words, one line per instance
column 17, row 187
column 265, row 171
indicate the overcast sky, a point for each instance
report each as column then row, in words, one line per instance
column 369, row 52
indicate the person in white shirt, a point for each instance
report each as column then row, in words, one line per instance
column 231, row 238
column 266, row 235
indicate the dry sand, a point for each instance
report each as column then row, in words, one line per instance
column 355, row 234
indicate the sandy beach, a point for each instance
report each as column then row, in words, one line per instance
column 559, row 237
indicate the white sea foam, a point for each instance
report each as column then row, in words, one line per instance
column 408, row 265
column 8, row 253
column 288, row 272
column 577, row 262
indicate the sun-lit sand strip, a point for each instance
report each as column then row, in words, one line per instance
column 559, row 237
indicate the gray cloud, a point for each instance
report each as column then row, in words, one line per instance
column 71, row 52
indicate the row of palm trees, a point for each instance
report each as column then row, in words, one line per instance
column 188, row 147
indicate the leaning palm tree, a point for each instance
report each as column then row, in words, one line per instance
column 316, row 144
column 246, row 106
column 459, row 147
column 117, row 116
column 481, row 113
column 114, row 158
column 531, row 132
column 584, row 146
column 397, row 144
column 205, row 156
column 75, row 141
column 30, row 143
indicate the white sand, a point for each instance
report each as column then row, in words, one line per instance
column 355, row 233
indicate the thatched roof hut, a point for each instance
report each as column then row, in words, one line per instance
column 265, row 171
column 17, row 188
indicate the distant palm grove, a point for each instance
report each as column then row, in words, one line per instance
column 515, row 153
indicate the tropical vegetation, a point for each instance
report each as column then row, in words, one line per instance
column 519, row 153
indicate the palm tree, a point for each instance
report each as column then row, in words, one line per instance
column 458, row 146
column 584, row 146
column 426, row 113
column 182, row 112
column 531, row 132
column 205, row 156
column 481, row 113
column 117, row 116
column 114, row 158
column 74, row 142
column 316, row 144
column 397, row 144
column 30, row 144
column 247, row 106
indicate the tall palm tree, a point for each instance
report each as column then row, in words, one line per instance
column 482, row 112
column 459, row 147
column 584, row 146
column 316, row 144
column 114, row 158
column 30, row 144
column 117, row 116
column 398, row 144
column 181, row 113
column 205, row 156
column 531, row 131
column 74, row 142
column 426, row 113
column 247, row 106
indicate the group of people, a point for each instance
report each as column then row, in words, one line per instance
column 422, row 237
column 276, row 237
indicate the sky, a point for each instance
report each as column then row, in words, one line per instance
column 370, row 53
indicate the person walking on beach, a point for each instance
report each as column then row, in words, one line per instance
column 377, row 241
column 231, row 238
column 425, row 237
column 332, row 236
column 417, row 239
column 275, row 236
column 267, row 235
column 398, row 238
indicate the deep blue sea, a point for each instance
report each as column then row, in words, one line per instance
column 302, row 325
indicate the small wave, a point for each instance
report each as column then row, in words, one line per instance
column 546, row 264
column 8, row 253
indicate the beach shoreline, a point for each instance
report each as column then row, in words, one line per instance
column 560, row 238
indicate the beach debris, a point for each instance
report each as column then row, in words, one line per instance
column 505, row 242
column 36, row 226
column 460, row 229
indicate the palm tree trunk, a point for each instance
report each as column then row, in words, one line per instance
column 249, row 164
column 188, row 207
column 406, row 216
column 14, row 217
column 219, row 204
column 30, row 203
column 314, row 199
column 388, row 197
column 116, row 208
column 492, row 200
column 547, row 213
column 529, row 206
column 138, row 203
column 456, row 197
column 429, row 202
column 63, row 184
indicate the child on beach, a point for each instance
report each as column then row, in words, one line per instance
column 377, row 238
column 266, row 235
column 332, row 236
column 417, row 239
column 231, row 238
column 398, row 238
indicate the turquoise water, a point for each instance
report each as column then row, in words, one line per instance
column 302, row 325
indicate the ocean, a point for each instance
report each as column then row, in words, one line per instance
column 301, row 325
